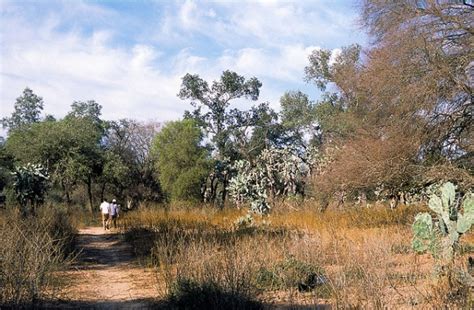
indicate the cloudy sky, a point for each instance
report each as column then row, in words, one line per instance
column 130, row 55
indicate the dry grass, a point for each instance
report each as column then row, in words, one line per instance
column 363, row 255
column 31, row 250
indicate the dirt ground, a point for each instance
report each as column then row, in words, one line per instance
column 106, row 276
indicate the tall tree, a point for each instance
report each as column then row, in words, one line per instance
column 252, row 131
column 401, row 114
column 90, row 110
column 182, row 162
column 130, row 141
column 6, row 166
column 211, row 114
column 298, row 119
column 215, row 100
column 27, row 110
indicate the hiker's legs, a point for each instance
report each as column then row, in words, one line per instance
column 105, row 217
column 114, row 221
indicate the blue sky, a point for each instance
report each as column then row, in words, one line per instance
column 130, row 55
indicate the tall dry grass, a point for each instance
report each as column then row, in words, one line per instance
column 31, row 250
column 360, row 258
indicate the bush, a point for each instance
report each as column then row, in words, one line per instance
column 31, row 249
column 292, row 273
column 189, row 294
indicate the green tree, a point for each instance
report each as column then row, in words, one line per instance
column 116, row 173
column 182, row 162
column 298, row 119
column 69, row 149
column 252, row 131
column 211, row 114
column 90, row 110
column 6, row 166
column 216, row 99
column 27, row 111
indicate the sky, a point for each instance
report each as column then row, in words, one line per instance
column 130, row 56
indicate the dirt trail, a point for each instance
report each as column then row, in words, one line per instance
column 106, row 275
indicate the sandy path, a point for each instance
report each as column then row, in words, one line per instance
column 106, row 275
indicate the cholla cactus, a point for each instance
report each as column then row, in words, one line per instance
column 441, row 237
column 30, row 184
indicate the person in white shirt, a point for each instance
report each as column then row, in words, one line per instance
column 105, row 210
column 114, row 212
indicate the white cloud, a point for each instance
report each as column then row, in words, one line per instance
column 260, row 23
column 128, row 83
column 285, row 63
column 187, row 14
column 335, row 53
column 140, row 80
column 67, row 67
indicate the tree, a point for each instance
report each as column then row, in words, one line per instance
column 404, row 108
column 27, row 111
column 252, row 131
column 6, row 166
column 211, row 114
column 182, row 163
column 90, row 110
column 216, row 99
column 69, row 149
column 127, row 146
column 298, row 119
column 430, row 44
column 115, row 172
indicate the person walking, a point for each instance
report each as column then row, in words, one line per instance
column 105, row 210
column 114, row 212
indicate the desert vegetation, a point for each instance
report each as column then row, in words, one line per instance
column 346, row 259
column 33, row 251
column 362, row 198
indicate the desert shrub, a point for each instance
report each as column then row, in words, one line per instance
column 291, row 273
column 61, row 226
column 188, row 294
column 207, row 266
column 31, row 249
column 223, row 280
column 455, row 292
column 141, row 239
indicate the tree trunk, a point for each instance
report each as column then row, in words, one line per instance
column 89, row 193
column 66, row 193
column 102, row 191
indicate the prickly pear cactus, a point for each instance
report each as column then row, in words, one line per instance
column 30, row 184
column 441, row 237
column 466, row 220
